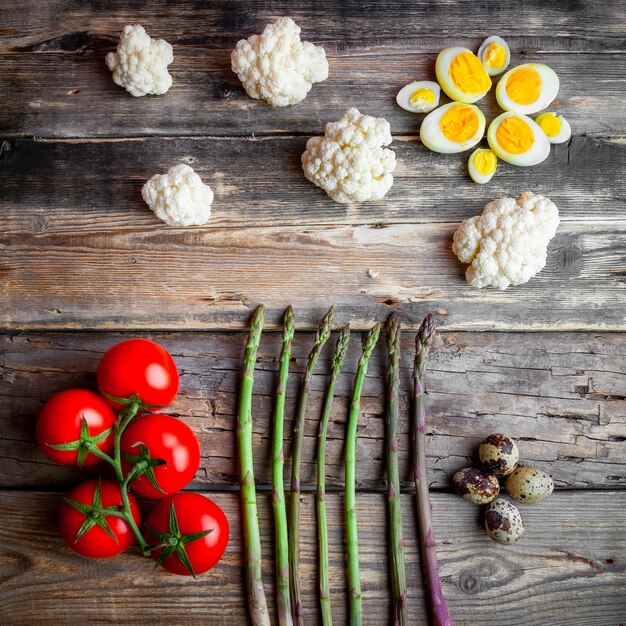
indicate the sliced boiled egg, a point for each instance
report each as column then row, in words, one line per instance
column 555, row 126
column 452, row 128
column 482, row 165
column 516, row 139
column 420, row 96
column 527, row 88
column 461, row 75
column 495, row 55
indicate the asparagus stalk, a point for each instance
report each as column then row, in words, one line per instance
column 283, row 599
column 322, row 335
column 423, row 342
column 322, row 536
column 257, row 603
column 354, row 579
column 396, row 540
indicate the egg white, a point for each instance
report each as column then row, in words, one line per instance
column 432, row 137
column 549, row 90
column 442, row 66
column 404, row 95
column 564, row 134
column 538, row 152
column 494, row 71
column 475, row 175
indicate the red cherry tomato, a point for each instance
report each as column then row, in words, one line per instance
column 102, row 535
column 138, row 367
column 61, row 422
column 166, row 438
column 193, row 514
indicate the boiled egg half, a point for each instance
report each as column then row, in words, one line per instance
column 555, row 126
column 527, row 88
column 421, row 96
column 516, row 139
column 482, row 165
column 453, row 128
column 462, row 75
column 495, row 55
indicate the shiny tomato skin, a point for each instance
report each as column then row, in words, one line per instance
column 138, row 367
column 194, row 513
column 166, row 438
column 96, row 543
column 60, row 422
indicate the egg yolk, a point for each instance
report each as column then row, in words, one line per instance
column 422, row 96
column 550, row 124
column 523, row 85
column 514, row 135
column 494, row 55
column 459, row 123
column 468, row 74
column 485, row 162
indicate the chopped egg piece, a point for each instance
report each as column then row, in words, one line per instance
column 516, row 139
column 453, row 128
column 527, row 88
column 482, row 165
column 421, row 96
column 555, row 126
column 461, row 75
column 495, row 55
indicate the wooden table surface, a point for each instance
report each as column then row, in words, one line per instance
column 80, row 251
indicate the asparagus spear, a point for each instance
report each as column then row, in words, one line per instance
column 322, row 335
column 423, row 342
column 354, row 579
column 278, row 490
column 396, row 540
column 322, row 538
column 251, row 537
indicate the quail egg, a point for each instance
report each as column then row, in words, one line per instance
column 482, row 165
column 503, row 522
column 495, row 55
column 516, row 139
column 529, row 485
column 461, row 75
column 476, row 485
column 499, row 454
column 527, row 88
column 421, row 96
column 555, row 126
column 453, row 128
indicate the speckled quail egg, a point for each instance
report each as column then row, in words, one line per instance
column 495, row 55
column 482, row 165
column 453, row 128
column 476, row 485
column 516, row 139
column 503, row 522
column 527, row 88
column 529, row 485
column 421, row 96
column 555, row 126
column 462, row 75
column 499, row 454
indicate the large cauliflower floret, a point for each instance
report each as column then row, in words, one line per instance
column 179, row 198
column 140, row 63
column 508, row 243
column 349, row 162
column 276, row 66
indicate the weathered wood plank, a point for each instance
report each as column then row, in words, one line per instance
column 73, row 95
column 82, row 187
column 567, row 570
column 562, row 394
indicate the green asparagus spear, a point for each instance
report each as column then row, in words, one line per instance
column 251, row 537
column 354, row 579
column 283, row 599
column 423, row 342
column 322, row 537
column 396, row 540
column 322, row 335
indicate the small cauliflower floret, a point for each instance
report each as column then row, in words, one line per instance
column 140, row 63
column 350, row 162
column 179, row 198
column 508, row 243
column 276, row 66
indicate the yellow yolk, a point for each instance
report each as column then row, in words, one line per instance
column 422, row 96
column 485, row 162
column 468, row 74
column 459, row 123
column 524, row 85
column 515, row 136
column 550, row 124
column 494, row 55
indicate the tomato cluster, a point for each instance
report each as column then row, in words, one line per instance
column 152, row 454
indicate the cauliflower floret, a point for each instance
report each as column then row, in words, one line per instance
column 140, row 63
column 276, row 66
column 508, row 243
column 349, row 162
column 179, row 198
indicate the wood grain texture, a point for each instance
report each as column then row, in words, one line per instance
column 574, row 554
column 562, row 394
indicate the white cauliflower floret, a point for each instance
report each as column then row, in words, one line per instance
column 508, row 243
column 140, row 63
column 179, row 198
column 349, row 162
column 276, row 66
